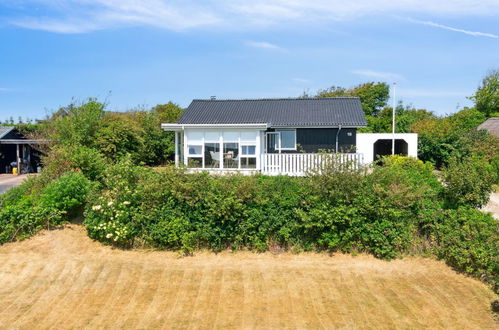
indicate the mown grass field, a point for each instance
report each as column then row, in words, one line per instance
column 62, row 279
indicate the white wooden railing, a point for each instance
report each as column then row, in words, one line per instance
column 301, row 164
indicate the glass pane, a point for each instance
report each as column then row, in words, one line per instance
column 195, row 162
column 248, row 150
column 212, row 155
column 248, row 162
column 195, row 150
column 231, row 155
column 288, row 139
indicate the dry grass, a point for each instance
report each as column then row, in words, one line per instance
column 62, row 279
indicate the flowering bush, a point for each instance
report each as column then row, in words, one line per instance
column 111, row 214
column 108, row 221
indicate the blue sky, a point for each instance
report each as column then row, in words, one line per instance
column 140, row 53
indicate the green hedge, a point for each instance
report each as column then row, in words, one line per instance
column 340, row 209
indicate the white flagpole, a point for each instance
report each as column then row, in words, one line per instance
column 393, row 119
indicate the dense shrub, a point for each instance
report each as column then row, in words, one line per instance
column 467, row 239
column 440, row 139
column 24, row 211
column 341, row 208
column 63, row 159
column 170, row 209
column 469, row 181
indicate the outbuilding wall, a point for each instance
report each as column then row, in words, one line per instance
column 366, row 141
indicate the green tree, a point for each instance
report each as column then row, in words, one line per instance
column 373, row 96
column 76, row 124
column 455, row 135
column 405, row 118
column 158, row 146
column 487, row 96
column 117, row 136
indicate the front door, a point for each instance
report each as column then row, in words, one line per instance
column 273, row 142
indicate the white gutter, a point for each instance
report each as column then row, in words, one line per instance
column 181, row 127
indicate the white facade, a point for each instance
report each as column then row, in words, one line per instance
column 366, row 143
column 243, row 148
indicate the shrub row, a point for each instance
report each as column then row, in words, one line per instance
column 339, row 209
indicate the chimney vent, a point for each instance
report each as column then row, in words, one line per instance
column 213, row 97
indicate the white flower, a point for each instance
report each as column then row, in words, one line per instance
column 126, row 203
column 110, row 203
column 109, row 235
column 96, row 207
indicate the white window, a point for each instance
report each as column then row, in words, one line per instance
column 248, row 156
column 288, row 139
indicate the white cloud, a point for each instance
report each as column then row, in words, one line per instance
column 390, row 77
column 445, row 27
column 263, row 45
column 77, row 16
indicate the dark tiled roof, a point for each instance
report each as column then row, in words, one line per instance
column 334, row 111
column 491, row 125
column 4, row 130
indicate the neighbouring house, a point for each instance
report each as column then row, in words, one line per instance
column 17, row 151
column 278, row 136
column 491, row 125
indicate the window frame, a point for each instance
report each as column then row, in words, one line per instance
column 253, row 156
column 248, row 145
column 280, row 138
column 195, row 145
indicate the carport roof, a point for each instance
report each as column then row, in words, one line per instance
column 4, row 130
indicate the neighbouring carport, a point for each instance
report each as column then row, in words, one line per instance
column 383, row 147
column 17, row 151
column 375, row 145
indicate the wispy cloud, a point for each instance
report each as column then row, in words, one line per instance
column 78, row 16
column 450, row 28
column 4, row 89
column 302, row 80
column 263, row 45
column 379, row 75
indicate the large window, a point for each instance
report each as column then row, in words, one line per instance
column 231, row 155
column 212, row 155
column 195, row 156
column 288, row 139
column 248, row 156
column 216, row 149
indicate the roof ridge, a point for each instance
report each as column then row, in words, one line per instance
column 280, row 99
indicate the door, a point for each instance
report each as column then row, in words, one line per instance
column 273, row 142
